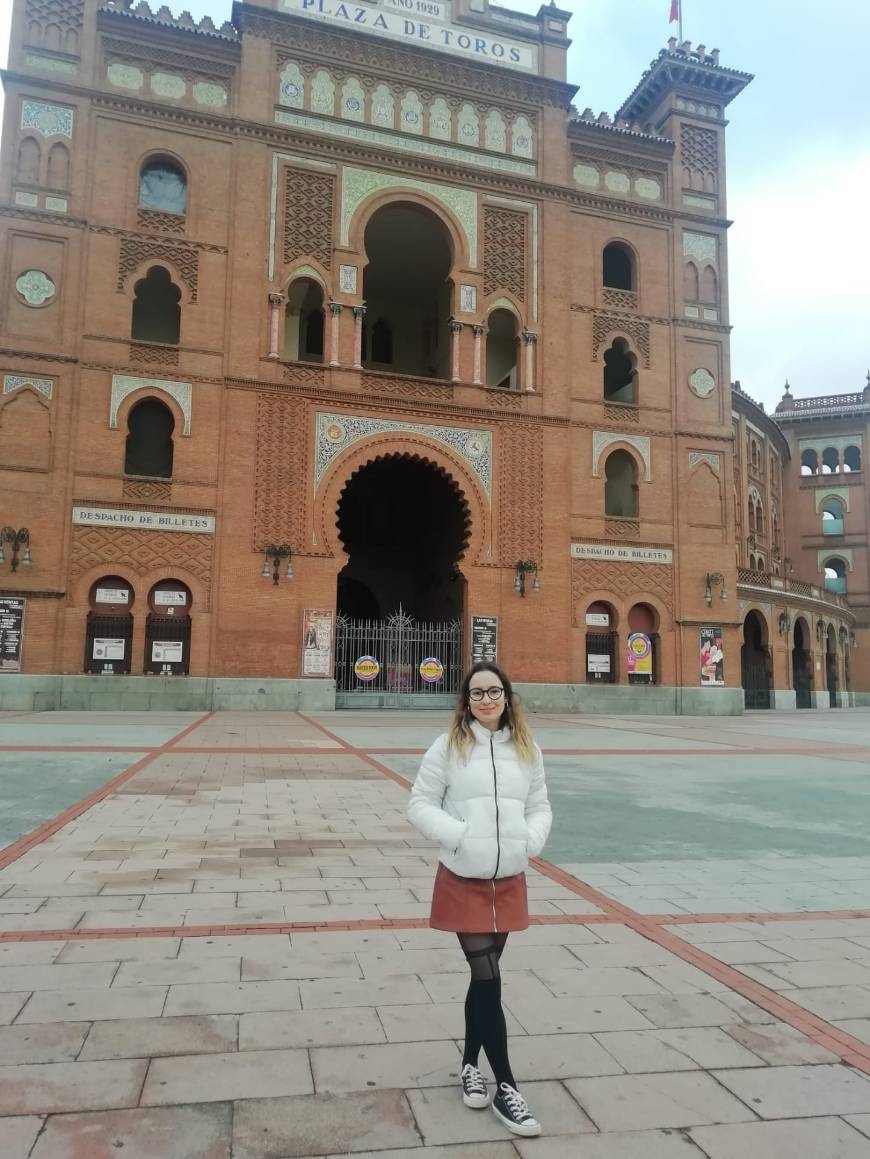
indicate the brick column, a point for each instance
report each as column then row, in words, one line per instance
column 455, row 331
column 529, row 367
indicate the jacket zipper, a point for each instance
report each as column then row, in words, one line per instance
column 497, row 836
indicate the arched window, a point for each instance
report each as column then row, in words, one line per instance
column 753, row 563
column 157, row 308
column 620, row 373
column 28, row 161
column 759, row 518
column 58, row 167
column 602, row 642
column 502, row 349
column 149, row 440
column 830, row 461
column 163, row 187
column 835, row 575
column 642, row 650
column 618, row 272
column 852, row 459
column 620, row 486
column 709, row 286
column 691, row 289
column 303, row 322
column 760, row 563
column 809, row 462
column 750, row 514
column 833, row 511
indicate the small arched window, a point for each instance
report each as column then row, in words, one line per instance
column 304, row 322
column 709, row 286
column 149, row 449
column 809, row 462
column 58, row 166
column 163, row 187
column 830, row 461
column 835, row 575
column 833, row 511
column 502, row 349
column 157, row 308
column 852, row 459
column 618, row 272
column 750, row 514
column 691, row 289
column 620, row 373
column 29, row 155
column 620, row 486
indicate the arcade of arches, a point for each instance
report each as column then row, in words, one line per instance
column 825, row 649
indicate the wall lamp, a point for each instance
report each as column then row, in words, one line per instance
column 18, row 539
column 714, row 577
column 821, row 630
column 523, row 568
column 784, row 623
column 272, row 562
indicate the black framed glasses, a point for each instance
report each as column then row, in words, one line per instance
column 494, row 693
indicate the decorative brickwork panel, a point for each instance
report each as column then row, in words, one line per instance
column 622, row 528
column 505, row 399
column 154, row 492
column 148, row 354
column 279, row 504
column 521, row 495
column 143, row 552
column 699, row 149
column 604, row 325
column 620, row 579
column 136, row 251
column 622, row 415
column 407, row 387
column 155, row 222
column 308, row 214
column 298, row 373
column 619, row 299
column 504, row 241
column 54, row 24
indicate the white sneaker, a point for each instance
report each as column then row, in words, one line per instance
column 513, row 1110
column 474, row 1092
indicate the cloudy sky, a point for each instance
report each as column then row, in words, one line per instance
column 798, row 166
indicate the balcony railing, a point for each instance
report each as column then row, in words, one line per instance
column 763, row 579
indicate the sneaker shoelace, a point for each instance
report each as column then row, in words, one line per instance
column 517, row 1105
column 473, row 1080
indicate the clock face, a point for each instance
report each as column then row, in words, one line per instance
column 164, row 189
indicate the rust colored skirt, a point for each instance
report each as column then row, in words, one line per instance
column 473, row 905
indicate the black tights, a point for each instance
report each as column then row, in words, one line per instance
column 484, row 1018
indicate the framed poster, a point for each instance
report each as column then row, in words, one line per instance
column 167, row 652
column 318, row 625
column 108, row 649
column 484, row 639
column 639, row 655
column 712, row 656
column 11, row 633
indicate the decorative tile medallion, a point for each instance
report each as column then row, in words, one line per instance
column 702, row 382
column 336, row 432
column 125, row 76
column 213, row 96
column 35, row 287
column 169, row 85
column 48, row 120
column 468, row 299
column 12, row 382
column 347, row 279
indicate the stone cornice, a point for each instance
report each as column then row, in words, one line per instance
column 439, row 69
column 35, row 355
column 36, row 215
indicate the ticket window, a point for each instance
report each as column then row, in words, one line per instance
column 601, row 644
column 109, row 632
column 168, row 630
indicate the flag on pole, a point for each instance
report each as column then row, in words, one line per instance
column 675, row 11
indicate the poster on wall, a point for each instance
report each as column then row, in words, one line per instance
column 484, row 639
column 712, row 656
column 317, row 632
column 167, row 652
column 639, row 655
column 11, row 633
column 108, row 649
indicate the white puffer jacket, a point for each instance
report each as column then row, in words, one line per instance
column 489, row 813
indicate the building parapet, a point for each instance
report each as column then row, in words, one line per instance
column 774, row 585
column 141, row 10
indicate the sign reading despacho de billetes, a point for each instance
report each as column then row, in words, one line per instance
column 622, row 553
column 143, row 520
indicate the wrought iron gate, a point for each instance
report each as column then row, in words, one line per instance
column 397, row 662
column 756, row 680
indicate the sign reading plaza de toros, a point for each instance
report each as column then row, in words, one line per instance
column 424, row 23
column 622, row 553
column 143, row 520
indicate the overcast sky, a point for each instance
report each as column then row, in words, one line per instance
column 798, row 166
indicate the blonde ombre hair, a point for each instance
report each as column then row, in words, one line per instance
column 460, row 738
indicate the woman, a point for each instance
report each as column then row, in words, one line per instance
column 481, row 795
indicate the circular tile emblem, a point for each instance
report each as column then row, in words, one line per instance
column 289, row 89
column 701, row 382
column 35, row 287
column 474, row 447
column 468, row 130
column 335, row 433
column 353, row 104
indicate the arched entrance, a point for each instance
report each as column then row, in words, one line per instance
column 801, row 665
column 755, row 662
column 408, row 293
column 404, row 524
column 832, row 674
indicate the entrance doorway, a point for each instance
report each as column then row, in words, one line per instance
column 404, row 524
column 755, row 663
column 801, row 665
column 832, row 676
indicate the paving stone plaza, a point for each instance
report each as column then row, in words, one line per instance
column 214, row 942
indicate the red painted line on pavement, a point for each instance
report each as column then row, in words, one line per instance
column 361, row 753
column 49, row 828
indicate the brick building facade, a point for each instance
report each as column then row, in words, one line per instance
column 364, row 284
